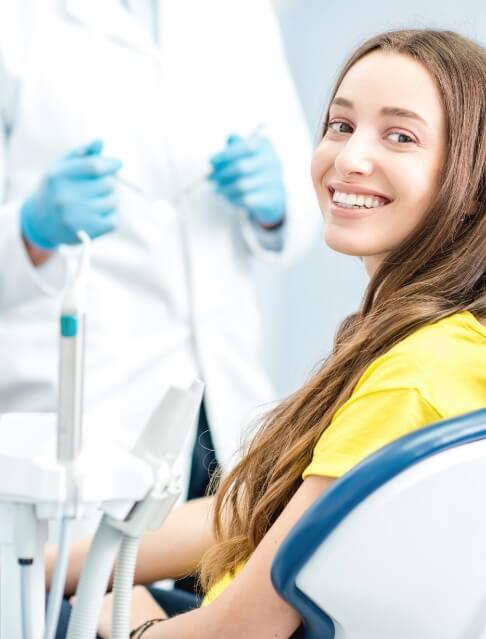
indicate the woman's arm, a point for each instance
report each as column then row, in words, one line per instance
column 170, row 552
column 249, row 607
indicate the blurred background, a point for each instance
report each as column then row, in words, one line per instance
column 303, row 309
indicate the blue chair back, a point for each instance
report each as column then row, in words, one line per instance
column 410, row 518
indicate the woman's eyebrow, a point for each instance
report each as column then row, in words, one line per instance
column 396, row 111
column 343, row 102
column 402, row 113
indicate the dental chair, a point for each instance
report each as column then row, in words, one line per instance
column 396, row 549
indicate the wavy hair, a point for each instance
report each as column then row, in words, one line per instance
column 438, row 270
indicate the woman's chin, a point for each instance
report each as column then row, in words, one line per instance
column 354, row 242
column 344, row 242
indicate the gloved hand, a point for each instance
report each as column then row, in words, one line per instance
column 78, row 194
column 248, row 173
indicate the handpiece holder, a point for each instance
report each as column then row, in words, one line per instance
column 157, row 447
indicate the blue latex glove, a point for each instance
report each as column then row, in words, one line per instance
column 248, row 174
column 78, row 194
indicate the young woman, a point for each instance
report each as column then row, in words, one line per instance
column 400, row 174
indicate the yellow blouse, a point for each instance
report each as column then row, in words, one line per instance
column 437, row 372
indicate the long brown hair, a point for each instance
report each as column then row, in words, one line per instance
column 437, row 271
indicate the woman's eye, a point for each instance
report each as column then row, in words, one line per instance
column 402, row 138
column 340, row 127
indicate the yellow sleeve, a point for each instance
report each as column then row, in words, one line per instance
column 365, row 423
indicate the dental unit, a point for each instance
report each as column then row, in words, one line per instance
column 50, row 473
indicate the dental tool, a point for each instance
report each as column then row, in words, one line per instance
column 185, row 190
column 70, row 412
column 137, row 189
column 71, row 359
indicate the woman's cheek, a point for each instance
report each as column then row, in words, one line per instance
column 319, row 166
column 420, row 192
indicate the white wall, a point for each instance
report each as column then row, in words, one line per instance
column 302, row 314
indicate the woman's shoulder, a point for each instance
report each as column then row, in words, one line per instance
column 437, row 372
column 439, row 355
column 447, row 340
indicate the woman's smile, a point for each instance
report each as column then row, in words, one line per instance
column 351, row 201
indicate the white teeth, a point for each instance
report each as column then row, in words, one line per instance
column 350, row 200
column 339, row 197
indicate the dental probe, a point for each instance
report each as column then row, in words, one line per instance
column 185, row 190
column 137, row 189
column 191, row 186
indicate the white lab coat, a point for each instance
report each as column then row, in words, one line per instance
column 171, row 296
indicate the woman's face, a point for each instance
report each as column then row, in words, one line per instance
column 376, row 170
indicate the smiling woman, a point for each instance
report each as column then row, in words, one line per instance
column 400, row 175
column 377, row 168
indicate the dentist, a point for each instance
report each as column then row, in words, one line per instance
column 151, row 91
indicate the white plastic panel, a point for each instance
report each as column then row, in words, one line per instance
column 410, row 561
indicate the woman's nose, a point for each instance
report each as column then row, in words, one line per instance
column 356, row 157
